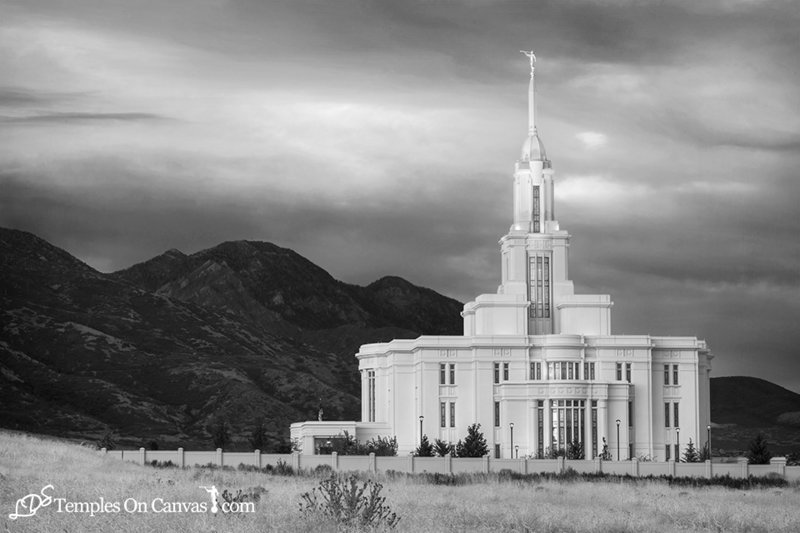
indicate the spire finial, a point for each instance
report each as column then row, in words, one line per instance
column 532, row 57
column 531, row 103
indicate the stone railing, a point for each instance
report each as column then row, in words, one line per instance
column 453, row 465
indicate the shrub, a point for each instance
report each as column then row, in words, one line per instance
column 442, row 448
column 575, row 450
column 793, row 459
column 758, row 454
column 253, row 495
column 425, row 448
column 282, row 468
column 220, row 433
column 107, row 442
column 348, row 504
column 605, row 455
column 258, row 437
column 474, row 444
column 690, row 455
column 162, row 464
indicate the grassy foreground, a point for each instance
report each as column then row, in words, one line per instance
column 82, row 475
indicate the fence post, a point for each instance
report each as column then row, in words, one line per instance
column 672, row 468
column 220, row 457
column 743, row 467
column 635, row 467
column 142, row 455
column 560, row 467
column 296, row 462
column 448, row 463
column 708, row 468
column 485, row 464
column 780, row 465
column 410, row 464
column 524, row 465
column 181, row 459
column 372, row 466
column 257, row 457
column 104, row 451
column 335, row 460
column 598, row 465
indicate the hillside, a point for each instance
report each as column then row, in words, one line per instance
column 157, row 351
column 742, row 406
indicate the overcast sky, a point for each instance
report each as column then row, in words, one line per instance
column 379, row 138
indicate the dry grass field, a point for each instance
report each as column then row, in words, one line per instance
column 80, row 474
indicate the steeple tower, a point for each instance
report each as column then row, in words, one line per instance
column 535, row 249
column 532, row 148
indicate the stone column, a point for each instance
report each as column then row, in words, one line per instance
column 372, row 463
column 219, row 457
column 779, row 463
column 181, row 458
column 335, row 460
column 743, row 468
column 142, row 455
column 257, row 458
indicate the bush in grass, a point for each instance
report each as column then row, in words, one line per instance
column 443, row 448
column 759, row 453
column 162, row 464
column 349, row 503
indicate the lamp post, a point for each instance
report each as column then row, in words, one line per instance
column 516, row 449
column 708, row 441
column 617, row 439
column 677, row 445
column 511, row 425
column 421, row 418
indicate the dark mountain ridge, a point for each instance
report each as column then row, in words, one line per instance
column 244, row 330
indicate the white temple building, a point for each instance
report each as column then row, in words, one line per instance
column 537, row 366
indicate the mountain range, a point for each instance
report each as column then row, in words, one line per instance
column 246, row 331
column 157, row 352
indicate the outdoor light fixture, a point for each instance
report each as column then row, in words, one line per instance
column 516, row 449
column 617, row 439
column 678, row 444
column 511, row 425
column 421, row 418
column 708, row 441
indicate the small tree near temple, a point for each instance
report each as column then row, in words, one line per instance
column 425, row 448
column 575, row 450
column 605, row 455
column 474, row 444
column 690, row 455
column 705, row 454
column 258, row 438
column 442, row 448
column 759, row 454
column 220, row 434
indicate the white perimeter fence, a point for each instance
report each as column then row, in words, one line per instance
column 453, row 465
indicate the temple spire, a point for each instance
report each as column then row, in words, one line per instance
column 531, row 102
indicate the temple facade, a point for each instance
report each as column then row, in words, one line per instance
column 537, row 366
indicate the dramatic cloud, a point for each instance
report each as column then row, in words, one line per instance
column 379, row 138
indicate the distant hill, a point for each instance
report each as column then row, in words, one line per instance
column 157, row 351
column 742, row 406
